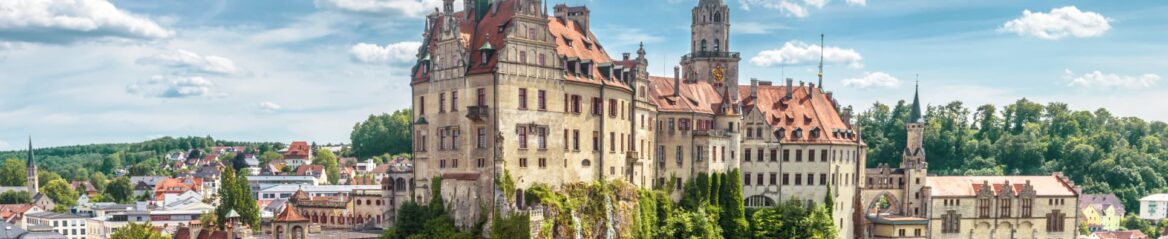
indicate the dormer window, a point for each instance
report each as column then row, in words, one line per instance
column 780, row 133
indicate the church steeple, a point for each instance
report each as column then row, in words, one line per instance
column 32, row 170
column 915, row 115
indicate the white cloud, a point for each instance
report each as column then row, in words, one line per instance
column 757, row 28
column 786, row 7
column 401, row 52
column 625, row 36
column 1097, row 79
column 191, row 62
column 799, row 53
column 408, row 8
column 269, row 107
column 873, row 80
column 858, row 2
column 59, row 21
column 176, row 87
column 1059, row 23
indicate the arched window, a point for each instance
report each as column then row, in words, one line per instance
column 759, row 201
column 586, row 163
column 717, row 45
column 717, row 16
column 368, row 202
column 400, row 185
column 703, row 46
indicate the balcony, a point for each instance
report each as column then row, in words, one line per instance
column 710, row 133
column 478, row 112
column 631, row 155
column 711, row 54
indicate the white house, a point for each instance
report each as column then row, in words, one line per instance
column 1154, row 207
column 72, row 226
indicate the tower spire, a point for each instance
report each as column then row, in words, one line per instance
column 31, row 170
column 915, row 115
column 821, row 46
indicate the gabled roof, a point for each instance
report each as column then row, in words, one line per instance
column 290, row 215
column 966, row 186
column 699, row 97
column 1100, row 202
column 298, row 150
column 304, row 170
column 808, row 108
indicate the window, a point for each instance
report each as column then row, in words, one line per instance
column 441, row 102
column 542, row 162
column 810, row 179
column 983, row 207
column 454, row 101
column 454, row 138
column 541, row 137
column 576, row 140
column 482, row 163
column 576, row 104
column 522, row 98
column 786, row 179
column 798, row 155
column 1055, row 221
column 566, row 141
column 542, row 99
column 611, row 141
column 522, row 137
column 1004, row 207
column 759, row 152
column 481, row 138
column 774, row 155
column 421, row 105
column 810, row 155
column 823, row 155
column 746, row 155
column 823, row 179
column 786, row 155
column 454, row 163
column 798, row 179
column 950, row 222
column 542, row 62
column 595, row 141
column 596, row 107
column 612, row 108
column 442, row 138
column 522, row 162
column 522, row 57
column 746, row 179
column 679, row 155
column 442, row 163
column 1027, row 206
column 774, row 178
column 481, row 96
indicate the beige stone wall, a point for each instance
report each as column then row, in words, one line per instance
column 910, row 231
column 971, row 226
column 701, row 151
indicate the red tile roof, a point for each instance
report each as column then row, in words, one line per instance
column 700, row 97
column 475, row 35
column 964, row 186
column 303, row 170
column 1129, row 234
column 809, row 108
column 177, row 185
column 290, row 215
column 298, row 150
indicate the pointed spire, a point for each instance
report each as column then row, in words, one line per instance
column 31, row 163
column 821, row 46
column 915, row 115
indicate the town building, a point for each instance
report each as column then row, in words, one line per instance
column 358, row 209
column 84, row 187
column 1101, row 212
column 168, row 219
column 287, row 190
column 314, row 171
column 1154, row 207
column 69, row 225
column 1127, row 234
column 289, row 224
column 14, row 213
column 9, row 231
column 298, row 153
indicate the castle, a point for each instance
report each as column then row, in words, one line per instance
column 506, row 87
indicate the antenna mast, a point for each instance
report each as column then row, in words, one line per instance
column 821, row 46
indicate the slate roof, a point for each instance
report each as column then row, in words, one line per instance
column 1101, row 202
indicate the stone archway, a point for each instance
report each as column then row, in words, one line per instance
column 298, row 232
column 894, row 203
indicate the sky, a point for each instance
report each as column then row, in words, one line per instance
column 105, row 71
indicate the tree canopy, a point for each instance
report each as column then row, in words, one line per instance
column 383, row 134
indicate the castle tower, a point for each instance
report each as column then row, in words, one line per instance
column 710, row 58
column 913, row 161
column 32, row 171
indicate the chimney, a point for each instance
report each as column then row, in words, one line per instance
column 754, row 88
column 810, row 89
column 790, row 87
column 676, row 80
column 829, row 96
column 578, row 14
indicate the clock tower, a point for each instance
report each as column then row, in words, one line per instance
column 710, row 58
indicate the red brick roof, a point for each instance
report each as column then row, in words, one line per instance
column 809, row 108
column 304, row 169
column 290, row 215
column 1129, row 234
column 700, row 97
column 298, row 150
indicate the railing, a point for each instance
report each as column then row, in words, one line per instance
column 706, row 54
column 631, row 155
column 477, row 112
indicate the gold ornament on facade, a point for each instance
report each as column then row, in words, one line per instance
column 719, row 73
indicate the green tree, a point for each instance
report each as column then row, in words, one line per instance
column 137, row 231
column 228, row 196
column 733, row 219
column 268, row 156
column 329, row 161
column 13, row 173
column 245, row 204
column 120, row 190
column 382, row 134
column 61, row 193
column 15, row 197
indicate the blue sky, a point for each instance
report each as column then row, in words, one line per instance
column 96, row 71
